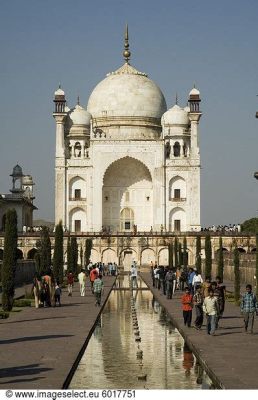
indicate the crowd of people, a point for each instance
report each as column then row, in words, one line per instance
column 223, row 228
column 47, row 290
column 204, row 296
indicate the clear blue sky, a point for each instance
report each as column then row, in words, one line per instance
column 178, row 43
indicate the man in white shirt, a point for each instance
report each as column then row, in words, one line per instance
column 134, row 276
column 211, row 309
column 197, row 280
column 82, row 282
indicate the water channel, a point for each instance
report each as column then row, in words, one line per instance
column 116, row 358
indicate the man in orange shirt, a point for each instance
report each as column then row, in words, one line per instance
column 187, row 303
column 93, row 275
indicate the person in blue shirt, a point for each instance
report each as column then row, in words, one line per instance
column 248, row 308
column 191, row 275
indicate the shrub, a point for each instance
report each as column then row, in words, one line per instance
column 22, row 303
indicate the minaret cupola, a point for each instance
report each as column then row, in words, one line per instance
column 194, row 100
column 59, row 100
column 17, row 176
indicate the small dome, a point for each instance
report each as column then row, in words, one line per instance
column 17, row 171
column 80, row 116
column 27, row 180
column 59, row 92
column 194, row 92
column 175, row 116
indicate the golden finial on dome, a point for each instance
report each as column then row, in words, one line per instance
column 176, row 98
column 78, row 100
column 126, row 52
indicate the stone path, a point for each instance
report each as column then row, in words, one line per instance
column 40, row 346
column 231, row 356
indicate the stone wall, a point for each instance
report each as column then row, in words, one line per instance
column 247, row 268
column 25, row 271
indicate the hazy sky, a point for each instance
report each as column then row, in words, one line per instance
column 178, row 43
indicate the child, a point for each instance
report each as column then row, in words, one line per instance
column 187, row 300
column 58, row 292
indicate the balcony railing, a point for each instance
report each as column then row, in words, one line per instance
column 77, row 199
column 178, row 199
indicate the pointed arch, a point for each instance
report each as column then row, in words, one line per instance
column 127, row 184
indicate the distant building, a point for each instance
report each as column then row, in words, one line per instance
column 21, row 199
column 126, row 163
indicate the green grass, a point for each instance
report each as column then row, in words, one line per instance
column 4, row 314
column 22, row 303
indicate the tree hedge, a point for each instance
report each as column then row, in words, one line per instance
column 208, row 256
column 58, row 261
column 9, row 259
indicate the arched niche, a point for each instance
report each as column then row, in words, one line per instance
column 109, row 255
column 19, row 254
column 77, row 188
column 126, row 258
column 177, row 220
column 31, row 254
column 127, row 183
column 163, row 257
column 95, row 256
column 77, row 220
column 147, row 256
column 177, row 189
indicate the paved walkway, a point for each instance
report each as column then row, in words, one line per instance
column 40, row 346
column 231, row 356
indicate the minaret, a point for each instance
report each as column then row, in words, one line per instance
column 60, row 115
column 194, row 116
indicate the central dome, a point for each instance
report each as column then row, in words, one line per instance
column 127, row 93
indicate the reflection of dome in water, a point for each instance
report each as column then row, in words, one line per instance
column 127, row 92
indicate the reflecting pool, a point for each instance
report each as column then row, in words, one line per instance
column 136, row 346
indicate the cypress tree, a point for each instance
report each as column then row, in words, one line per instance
column 69, row 258
column 88, row 247
column 256, row 274
column 43, row 257
column 220, row 260
column 180, row 255
column 9, row 259
column 74, row 253
column 170, row 255
column 176, row 252
column 81, row 258
column 185, row 254
column 208, row 256
column 58, row 262
column 198, row 262
column 237, row 275
column 45, row 250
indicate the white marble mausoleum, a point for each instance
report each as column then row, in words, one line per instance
column 126, row 162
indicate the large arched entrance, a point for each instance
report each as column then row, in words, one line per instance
column 127, row 196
